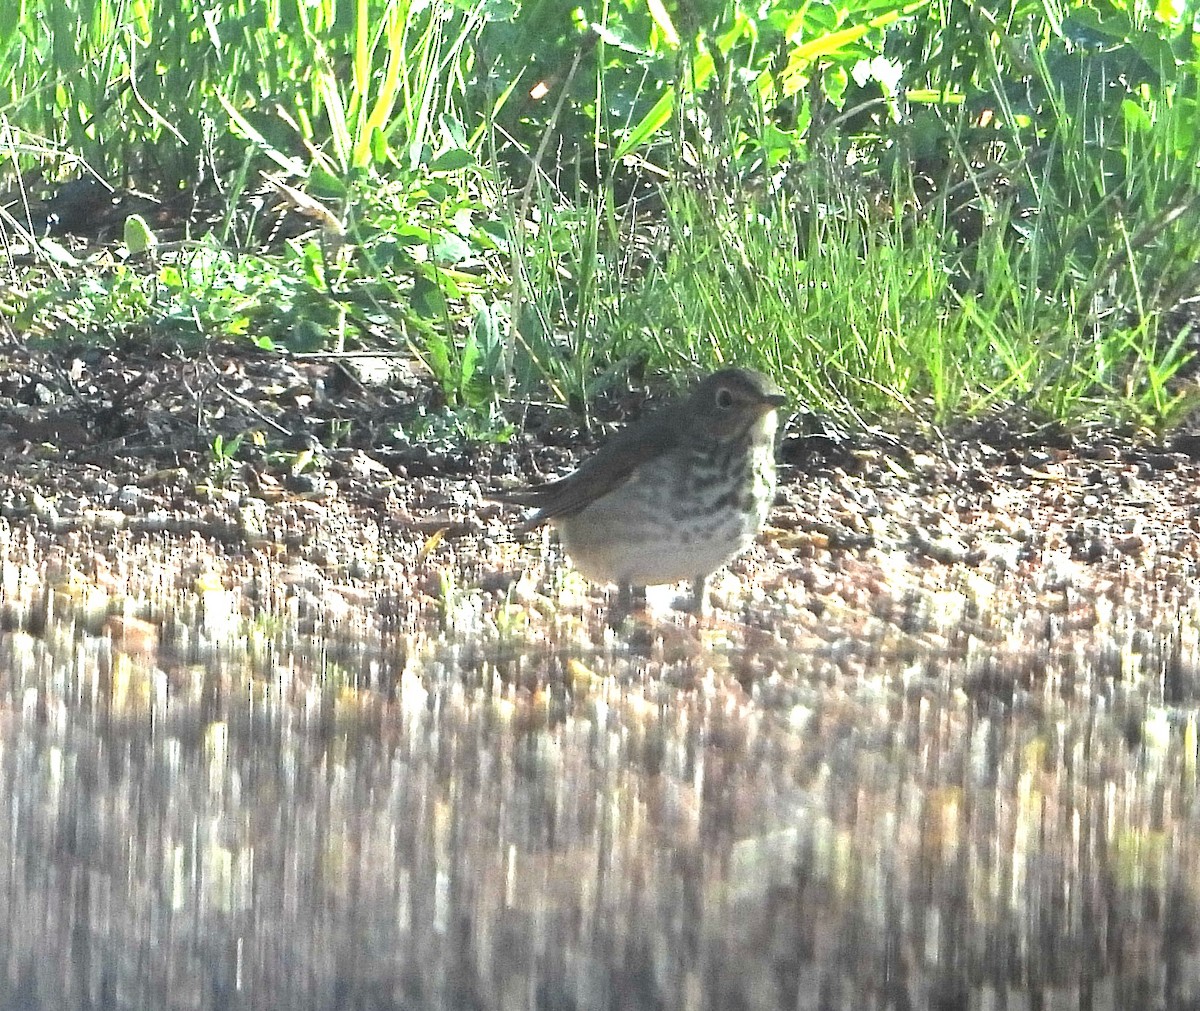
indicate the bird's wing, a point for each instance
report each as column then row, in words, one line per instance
column 610, row 467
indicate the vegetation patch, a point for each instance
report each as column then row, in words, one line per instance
column 909, row 214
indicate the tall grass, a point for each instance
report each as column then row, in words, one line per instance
column 148, row 88
column 879, row 314
column 1006, row 219
column 1033, row 253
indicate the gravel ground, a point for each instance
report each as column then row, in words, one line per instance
column 308, row 725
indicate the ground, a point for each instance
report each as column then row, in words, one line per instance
column 937, row 733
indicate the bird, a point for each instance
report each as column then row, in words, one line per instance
column 672, row 496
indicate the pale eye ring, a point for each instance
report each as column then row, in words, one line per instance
column 724, row 398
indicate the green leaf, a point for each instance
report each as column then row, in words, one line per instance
column 490, row 10
column 661, row 18
column 450, row 249
column 452, row 160
column 138, row 236
column 470, row 359
column 437, row 357
column 427, row 299
column 658, row 117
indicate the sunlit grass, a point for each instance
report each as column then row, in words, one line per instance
column 1059, row 300
column 838, row 258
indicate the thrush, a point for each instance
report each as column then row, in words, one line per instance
column 673, row 496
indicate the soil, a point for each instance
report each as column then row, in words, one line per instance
column 258, row 450
column 941, row 721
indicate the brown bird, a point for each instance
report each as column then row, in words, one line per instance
column 673, row 496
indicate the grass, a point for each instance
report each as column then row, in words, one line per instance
column 873, row 312
column 1023, row 241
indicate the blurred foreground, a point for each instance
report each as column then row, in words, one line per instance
column 957, row 770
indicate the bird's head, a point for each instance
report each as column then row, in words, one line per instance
column 729, row 403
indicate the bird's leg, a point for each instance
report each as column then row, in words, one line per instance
column 623, row 607
column 698, row 598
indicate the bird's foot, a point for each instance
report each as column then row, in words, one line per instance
column 696, row 601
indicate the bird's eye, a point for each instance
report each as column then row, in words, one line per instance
column 724, row 398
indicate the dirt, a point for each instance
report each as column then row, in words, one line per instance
column 937, row 736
